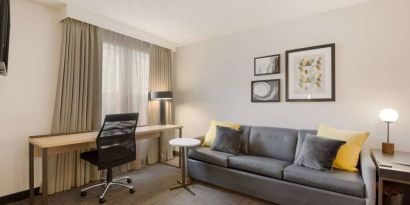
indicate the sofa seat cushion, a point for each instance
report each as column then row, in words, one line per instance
column 344, row 182
column 205, row 154
column 258, row 165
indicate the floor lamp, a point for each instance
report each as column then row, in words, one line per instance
column 161, row 96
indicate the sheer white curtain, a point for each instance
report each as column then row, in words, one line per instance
column 125, row 75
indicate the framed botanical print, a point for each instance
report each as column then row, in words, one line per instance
column 266, row 65
column 310, row 74
column 265, row 90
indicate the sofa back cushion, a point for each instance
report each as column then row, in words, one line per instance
column 301, row 139
column 245, row 138
column 276, row 143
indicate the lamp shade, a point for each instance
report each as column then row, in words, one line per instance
column 388, row 115
column 161, row 95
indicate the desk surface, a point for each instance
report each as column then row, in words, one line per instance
column 85, row 137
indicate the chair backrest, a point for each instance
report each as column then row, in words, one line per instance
column 116, row 140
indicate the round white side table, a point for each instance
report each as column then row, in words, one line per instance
column 184, row 143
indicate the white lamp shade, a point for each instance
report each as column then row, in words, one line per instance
column 388, row 115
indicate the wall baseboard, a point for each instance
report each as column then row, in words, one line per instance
column 18, row 196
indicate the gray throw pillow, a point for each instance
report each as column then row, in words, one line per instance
column 318, row 152
column 227, row 140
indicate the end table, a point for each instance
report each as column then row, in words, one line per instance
column 184, row 143
column 393, row 168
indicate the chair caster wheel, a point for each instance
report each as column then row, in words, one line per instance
column 83, row 193
column 129, row 180
column 102, row 201
column 132, row 191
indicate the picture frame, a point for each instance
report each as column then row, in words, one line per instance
column 310, row 74
column 265, row 90
column 266, row 65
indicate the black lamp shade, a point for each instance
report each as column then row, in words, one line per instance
column 161, row 95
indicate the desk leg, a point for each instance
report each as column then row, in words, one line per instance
column 159, row 147
column 31, row 171
column 45, row 181
column 380, row 195
column 160, row 151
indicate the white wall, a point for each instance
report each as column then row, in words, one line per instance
column 27, row 93
column 372, row 72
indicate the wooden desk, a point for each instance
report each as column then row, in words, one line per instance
column 394, row 168
column 46, row 145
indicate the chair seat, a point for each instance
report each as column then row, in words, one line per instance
column 90, row 156
column 259, row 165
column 205, row 154
column 344, row 182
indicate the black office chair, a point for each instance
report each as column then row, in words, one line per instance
column 115, row 146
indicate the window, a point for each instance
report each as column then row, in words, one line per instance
column 125, row 75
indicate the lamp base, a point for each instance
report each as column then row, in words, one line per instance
column 388, row 148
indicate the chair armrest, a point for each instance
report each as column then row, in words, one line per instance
column 368, row 170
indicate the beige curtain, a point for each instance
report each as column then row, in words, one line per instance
column 160, row 79
column 78, row 102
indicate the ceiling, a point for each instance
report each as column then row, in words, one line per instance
column 188, row 21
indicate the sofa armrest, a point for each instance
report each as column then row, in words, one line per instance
column 200, row 138
column 368, row 170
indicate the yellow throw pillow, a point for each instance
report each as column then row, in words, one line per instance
column 210, row 135
column 348, row 155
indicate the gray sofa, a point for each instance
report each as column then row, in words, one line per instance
column 264, row 169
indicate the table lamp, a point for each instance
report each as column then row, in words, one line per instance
column 388, row 115
column 162, row 96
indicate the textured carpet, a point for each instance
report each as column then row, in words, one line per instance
column 152, row 187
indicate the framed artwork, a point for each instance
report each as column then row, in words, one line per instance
column 266, row 65
column 310, row 74
column 265, row 91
